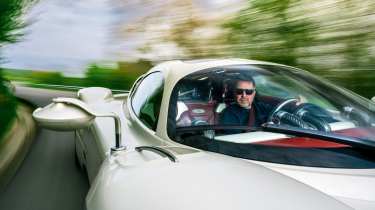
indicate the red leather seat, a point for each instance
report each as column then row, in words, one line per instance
column 197, row 112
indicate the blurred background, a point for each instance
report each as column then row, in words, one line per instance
column 111, row 42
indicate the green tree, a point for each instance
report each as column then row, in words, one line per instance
column 121, row 78
column 319, row 35
column 44, row 77
column 269, row 30
column 94, row 75
column 10, row 25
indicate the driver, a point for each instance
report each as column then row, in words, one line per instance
column 247, row 110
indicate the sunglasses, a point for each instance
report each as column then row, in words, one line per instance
column 246, row 91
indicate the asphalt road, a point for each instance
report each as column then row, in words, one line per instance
column 48, row 179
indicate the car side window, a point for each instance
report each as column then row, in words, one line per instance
column 147, row 98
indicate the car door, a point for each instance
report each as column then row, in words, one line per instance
column 87, row 151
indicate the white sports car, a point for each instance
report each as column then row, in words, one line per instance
column 180, row 140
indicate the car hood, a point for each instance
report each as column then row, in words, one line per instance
column 199, row 181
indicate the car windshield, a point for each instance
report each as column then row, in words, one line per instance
column 263, row 107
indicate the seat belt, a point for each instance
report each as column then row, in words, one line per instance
column 251, row 121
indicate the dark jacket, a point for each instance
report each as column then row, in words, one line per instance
column 236, row 115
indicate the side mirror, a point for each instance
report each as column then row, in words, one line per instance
column 66, row 114
column 63, row 116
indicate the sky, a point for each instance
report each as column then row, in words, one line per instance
column 67, row 35
column 60, row 36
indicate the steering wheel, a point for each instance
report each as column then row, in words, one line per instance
column 279, row 107
column 314, row 115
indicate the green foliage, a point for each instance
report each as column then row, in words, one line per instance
column 8, row 106
column 338, row 37
column 266, row 30
column 120, row 78
column 43, row 77
column 10, row 25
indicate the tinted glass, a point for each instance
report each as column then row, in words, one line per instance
column 318, row 124
column 147, row 99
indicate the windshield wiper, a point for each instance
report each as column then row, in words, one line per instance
column 332, row 137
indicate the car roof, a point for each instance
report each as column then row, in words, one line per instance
column 175, row 70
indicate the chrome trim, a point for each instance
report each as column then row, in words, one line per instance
column 82, row 105
column 159, row 150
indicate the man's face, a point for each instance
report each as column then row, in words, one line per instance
column 243, row 98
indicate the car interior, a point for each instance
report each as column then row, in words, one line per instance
column 198, row 100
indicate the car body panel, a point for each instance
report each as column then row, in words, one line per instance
column 199, row 181
column 348, row 183
column 339, row 183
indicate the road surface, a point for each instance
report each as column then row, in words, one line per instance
column 48, row 179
